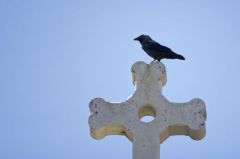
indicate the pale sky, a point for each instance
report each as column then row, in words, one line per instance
column 55, row 56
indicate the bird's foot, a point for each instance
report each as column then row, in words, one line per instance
column 152, row 61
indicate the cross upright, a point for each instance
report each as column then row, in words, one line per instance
column 169, row 118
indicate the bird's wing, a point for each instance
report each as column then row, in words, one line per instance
column 156, row 46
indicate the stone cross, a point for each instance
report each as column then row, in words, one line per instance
column 169, row 118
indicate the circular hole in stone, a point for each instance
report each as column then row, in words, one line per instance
column 147, row 119
column 146, row 113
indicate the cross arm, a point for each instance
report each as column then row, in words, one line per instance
column 107, row 119
column 185, row 119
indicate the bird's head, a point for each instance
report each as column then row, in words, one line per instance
column 143, row 38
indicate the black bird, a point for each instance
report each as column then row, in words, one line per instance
column 155, row 50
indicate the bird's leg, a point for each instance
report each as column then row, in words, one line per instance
column 152, row 61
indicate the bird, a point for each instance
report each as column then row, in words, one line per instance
column 156, row 50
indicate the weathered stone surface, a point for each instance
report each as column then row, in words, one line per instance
column 169, row 118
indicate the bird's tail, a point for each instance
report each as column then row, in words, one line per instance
column 180, row 57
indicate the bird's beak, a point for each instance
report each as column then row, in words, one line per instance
column 136, row 38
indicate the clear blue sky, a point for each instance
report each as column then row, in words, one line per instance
column 55, row 56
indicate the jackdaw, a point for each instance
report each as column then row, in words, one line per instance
column 156, row 50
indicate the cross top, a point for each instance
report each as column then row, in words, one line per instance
column 169, row 118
